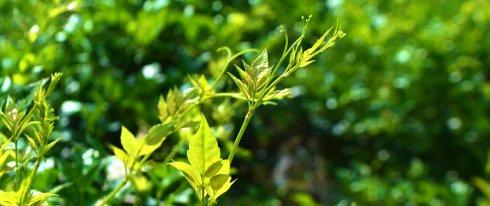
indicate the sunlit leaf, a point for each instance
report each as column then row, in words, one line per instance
column 9, row 198
column 39, row 198
column 243, row 88
column 260, row 64
column 130, row 144
column 51, row 145
column 120, row 154
column 190, row 173
column 213, row 169
column 203, row 148
column 158, row 133
column 218, row 185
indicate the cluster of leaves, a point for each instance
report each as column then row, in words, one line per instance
column 207, row 173
column 32, row 123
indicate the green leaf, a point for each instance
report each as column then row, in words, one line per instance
column 50, row 145
column 190, row 173
column 172, row 104
column 10, row 105
column 4, row 120
column 245, row 77
column 130, row 144
column 278, row 94
column 218, row 185
column 39, row 198
column 243, row 88
column 120, row 154
column 318, row 42
column 200, row 83
column 9, row 198
column 213, row 169
column 158, row 133
column 163, row 109
column 225, row 167
column 261, row 63
column 4, row 155
column 31, row 142
column 203, row 148
column 155, row 137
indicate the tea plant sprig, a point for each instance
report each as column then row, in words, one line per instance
column 35, row 125
column 207, row 172
column 258, row 80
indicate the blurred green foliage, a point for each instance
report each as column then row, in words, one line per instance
column 397, row 113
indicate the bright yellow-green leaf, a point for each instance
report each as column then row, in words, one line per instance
column 203, row 148
column 140, row 183
column 243, row 88
column 218, row 185
column 50, row 145
column 148, row 149
column 213, row 169
column 163, row 109
column 31, row 142
column 188, row 171
column 158, row 133
column 120, row 154
column 245, row 77
column 130, row 144
column 9, row 198
column 40, row 198
column 318, row 43
column 191, row 174
column 200, row 83
column 217, row 181
column 4, row 155
column 225, row 167
column 155, row 137
column 207, row 173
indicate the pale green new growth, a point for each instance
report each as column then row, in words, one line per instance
column 258, row 81
column 207, row 173
column 136, row 151
column 203, row 148
column 35, row 125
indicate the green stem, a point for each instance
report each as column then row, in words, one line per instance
column 17, row 171
column 238, row 138
column 114, row 192
column 120, row 186
column 30, row 179
column 203, row 203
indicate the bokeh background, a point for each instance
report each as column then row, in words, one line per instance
column 397, row 113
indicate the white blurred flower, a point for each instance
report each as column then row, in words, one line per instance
column 115, row 170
